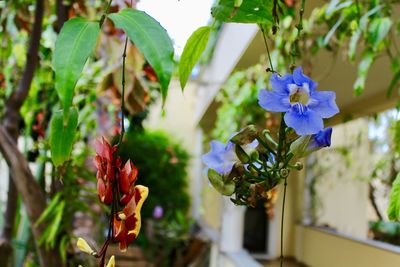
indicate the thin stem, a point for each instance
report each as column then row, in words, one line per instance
column 266, row 46
column 282, row 138
column 265, row 145
column 299, row 26
column 282, row 220
column 358, row 10
column 123, row 92
column 106, row 10
column 275, row 16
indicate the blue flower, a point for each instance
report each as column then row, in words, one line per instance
column 305, row 145
column 296, row 95
column 221, row 157
column 320, row 139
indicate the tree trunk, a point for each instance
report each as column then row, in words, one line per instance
column 32, row 196
column 6, row 249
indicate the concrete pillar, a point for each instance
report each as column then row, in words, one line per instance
column 232, row 227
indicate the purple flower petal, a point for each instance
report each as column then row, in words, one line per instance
column 300, row 79
column 213, row 158
column 303, row 120
column 273, row 101
column 320, row 139
column 324, row 103
column 280, row 84
column 221, row 158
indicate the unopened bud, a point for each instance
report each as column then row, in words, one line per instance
column 122, row 216
column 241, row 154
column 298, row 166
column 245, row 136
column 111, row 262
column 284, row 172
column 238, row 3
column 84, row 247
column 225, row 187
column 254, row 155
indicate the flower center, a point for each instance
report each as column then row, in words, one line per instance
column 299, row 94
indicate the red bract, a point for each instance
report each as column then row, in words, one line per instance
column 127, row 179
column 106, row 165
column 127, row 223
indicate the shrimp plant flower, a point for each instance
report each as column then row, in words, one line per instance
column 297, row 96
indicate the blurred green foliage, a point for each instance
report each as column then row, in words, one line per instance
column 162, row 168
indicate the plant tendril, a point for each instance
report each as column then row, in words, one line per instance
column 123, row 93
column 271, row 69
column 282, row 220
column 295, row 52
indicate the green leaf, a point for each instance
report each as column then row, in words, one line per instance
column 194, row 48
column 65, row 240
column 393, row 83
column 250, row 11
column 394, row 204
column 225, row 188
column 62, row 133
column 359, row 29
column 49, row 210
column 378, row 29
column 55, row 225
column 333, row 30
column 75, row 43
column 336, row 5
column 151, row 39
column 363, row 68
column 353, row 42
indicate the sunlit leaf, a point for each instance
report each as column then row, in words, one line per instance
column 378, row 29
column 74, row 45
column 333, row 30
column 151, row 39
column 194, row 48
column 336, row 5
column 394, row 204
column 254, row 11
column 359, row 29
column 62, row 133
column 363, row 68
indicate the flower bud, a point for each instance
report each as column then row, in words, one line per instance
column 298, row 166
column 238, row 3
column 111, row 262
column 241, row 154
column 254, row 156
column 245, row 136
column 307, row 144
column 284, row 172
column 224, row 187
column 84, row 247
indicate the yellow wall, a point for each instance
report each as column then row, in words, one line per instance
column 179, row 123
column 317, row 248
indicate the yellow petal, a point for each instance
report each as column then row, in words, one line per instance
column 144, row 192
column 111, row 262
column 84, row 246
